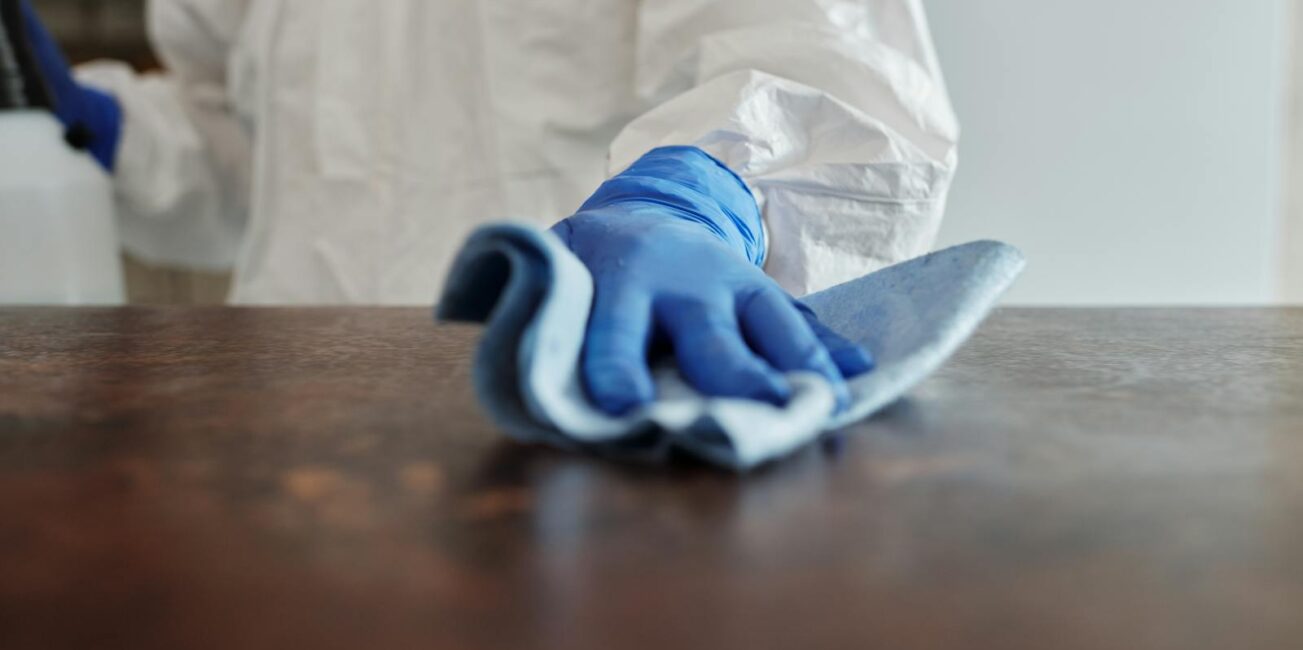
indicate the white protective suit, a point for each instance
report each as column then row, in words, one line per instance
column 338, row 151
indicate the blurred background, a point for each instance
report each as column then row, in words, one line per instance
column 91, row 29
column 99, row 28
column 1137, row 150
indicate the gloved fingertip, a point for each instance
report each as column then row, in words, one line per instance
column 617, row 390
column 619, row 403
column 853, row 361
column 774, row 389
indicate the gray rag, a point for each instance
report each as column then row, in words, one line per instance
column 535, row 296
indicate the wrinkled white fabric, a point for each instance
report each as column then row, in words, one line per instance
column 338, row 151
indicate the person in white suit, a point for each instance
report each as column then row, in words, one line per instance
column 339, row 151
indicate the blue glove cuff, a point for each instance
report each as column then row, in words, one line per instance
column 690, row 184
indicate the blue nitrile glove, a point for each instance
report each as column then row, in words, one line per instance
column 93, row 118
column 675, row 247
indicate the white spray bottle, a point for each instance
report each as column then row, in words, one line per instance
column 58, row 239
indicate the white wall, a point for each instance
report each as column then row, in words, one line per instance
column 1130, row 147
column 1291, row 248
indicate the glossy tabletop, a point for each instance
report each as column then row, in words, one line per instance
column 323, row 478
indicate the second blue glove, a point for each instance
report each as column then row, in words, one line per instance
column 92, row 117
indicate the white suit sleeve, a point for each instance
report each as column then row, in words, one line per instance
column 183, row 164
column 834, row 112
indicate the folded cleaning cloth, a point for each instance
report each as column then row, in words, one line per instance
column 535, row 296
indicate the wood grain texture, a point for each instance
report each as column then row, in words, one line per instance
column 217, row 477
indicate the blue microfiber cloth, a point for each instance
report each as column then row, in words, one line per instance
column 535, row 296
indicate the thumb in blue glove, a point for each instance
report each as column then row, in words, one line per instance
column 93, row 118
column 675, row 247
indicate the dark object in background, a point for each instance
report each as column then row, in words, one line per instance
column 99, row 29
column 20, row 80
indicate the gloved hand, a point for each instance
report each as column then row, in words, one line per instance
column 675, row 247
column 93, row 118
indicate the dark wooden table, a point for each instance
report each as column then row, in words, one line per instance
column 226, row 478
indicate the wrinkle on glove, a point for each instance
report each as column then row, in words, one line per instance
column 534, row 296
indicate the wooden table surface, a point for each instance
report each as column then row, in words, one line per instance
column 226, row 478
